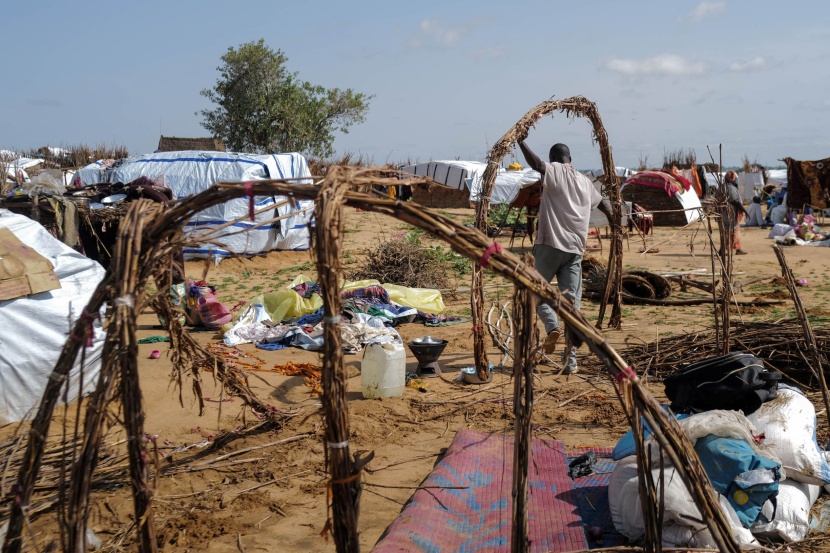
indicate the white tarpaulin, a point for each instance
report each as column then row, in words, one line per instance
column 89, row 174
column 19, row 166
column 190, row 172
column 506, row 186
column 462, row 175
column 689, row 201
column 777, row 177
column 623, row 172
column 712, row 180
column 749, row 185
column 35, row 328
column 452, row 173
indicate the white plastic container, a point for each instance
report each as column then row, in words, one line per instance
column 383, row 370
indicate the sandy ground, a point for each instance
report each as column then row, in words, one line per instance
column 204, row 511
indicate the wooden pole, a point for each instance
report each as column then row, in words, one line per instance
column 488, row 180
column 526, row 332
column 126, row 312
column 345, row 481
column 819, row 360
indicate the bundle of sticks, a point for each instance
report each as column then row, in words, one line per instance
column 779, row 344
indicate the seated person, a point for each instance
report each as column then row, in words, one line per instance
column 779, row 213
column 755, row 218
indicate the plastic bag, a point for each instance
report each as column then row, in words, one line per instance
column 287, row 304
column 423, row 299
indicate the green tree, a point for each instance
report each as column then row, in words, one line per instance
column 264, row 108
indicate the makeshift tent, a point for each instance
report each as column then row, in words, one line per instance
column 506, row 187
column 453, row 173
column 712, row 179
column 777, row 177
column 18, row 166
column 190, row 172
column 95, row 172
column 808, row 183
column 622, row 172
column 451, row 178
column 671, row 198
column 750, row 185
column 35, row 327
column 463, row 179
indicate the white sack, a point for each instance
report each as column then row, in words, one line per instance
column 792, row 516
column 726, row 424
column 789, row 424
column 681, row 517
column 35, row 328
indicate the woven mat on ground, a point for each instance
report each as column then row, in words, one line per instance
column 590, row 494
column 478, row 517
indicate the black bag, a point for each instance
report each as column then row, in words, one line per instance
column 737, row 381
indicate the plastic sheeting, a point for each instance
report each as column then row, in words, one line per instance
column 35, row 328
column 190, row 172
column 467, row 174
column 749, row 185
column 690, row 201
column 506, row 187
column 452, row 173
column 623, row 172
column 777, row 177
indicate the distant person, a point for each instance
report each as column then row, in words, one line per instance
column 733, row 215
column 756, row 217
column 568, row 197
column 779, row 213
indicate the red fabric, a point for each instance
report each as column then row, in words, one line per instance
column 672, row 184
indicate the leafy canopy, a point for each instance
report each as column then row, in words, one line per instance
column 261, row 107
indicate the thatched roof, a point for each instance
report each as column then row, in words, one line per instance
column 176, row 144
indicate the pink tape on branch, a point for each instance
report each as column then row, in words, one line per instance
column 495, row 247
column 627, row 372
column 249, row 191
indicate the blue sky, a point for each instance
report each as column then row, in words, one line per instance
column 449, row 78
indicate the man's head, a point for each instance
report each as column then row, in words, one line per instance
column 559, row 153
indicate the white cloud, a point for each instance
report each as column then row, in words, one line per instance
column 665, row 64
column 703, row 10
column 751, row 65
column 436, row 32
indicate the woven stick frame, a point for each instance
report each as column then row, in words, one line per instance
column 161, row 234
column 576, row 106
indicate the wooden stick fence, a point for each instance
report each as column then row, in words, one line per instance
column 818, row 358
column 156, row 232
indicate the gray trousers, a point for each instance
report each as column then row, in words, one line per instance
column 567, row 268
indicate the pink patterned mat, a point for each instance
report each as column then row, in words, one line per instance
column 478, row 517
